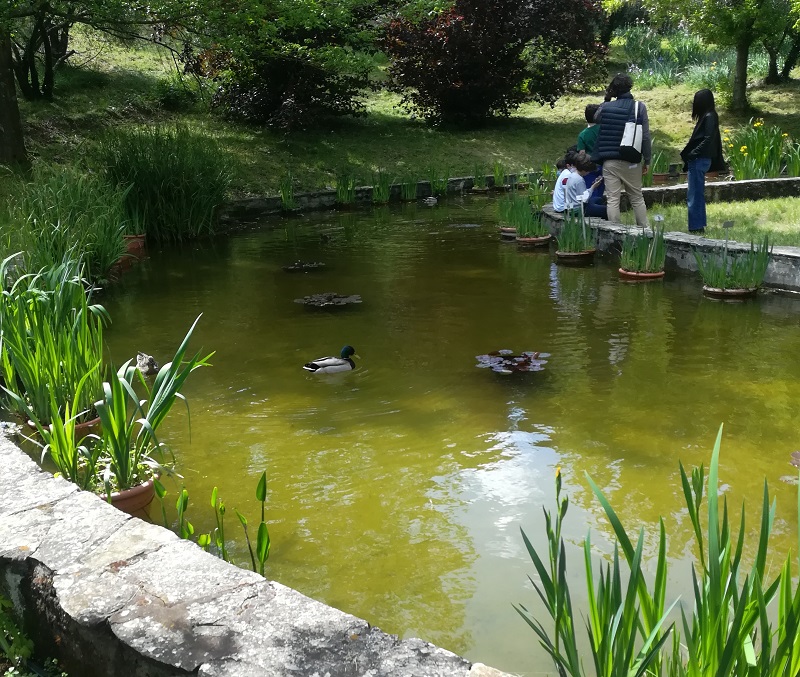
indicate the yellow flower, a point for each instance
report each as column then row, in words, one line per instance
column 558, row 470
column 785, row 135
column 745, row 154
column 727, row 131
column 726, row 139
column 730, row 145
column 743, row 149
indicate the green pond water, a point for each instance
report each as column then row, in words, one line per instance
column 397, row 491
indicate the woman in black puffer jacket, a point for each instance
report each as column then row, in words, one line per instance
column 617, row 172
column 702, row 153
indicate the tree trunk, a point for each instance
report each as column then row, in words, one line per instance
column 791, row 58
column 739, row 98
column 773, row 77
column 12, row 143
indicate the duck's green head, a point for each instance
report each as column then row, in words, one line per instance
column 347, row 352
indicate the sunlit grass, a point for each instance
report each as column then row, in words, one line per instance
column 113, row 85
column 779, row 218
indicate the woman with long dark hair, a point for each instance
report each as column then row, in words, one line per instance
column 703, row 153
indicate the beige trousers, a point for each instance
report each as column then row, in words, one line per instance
column 616, row 174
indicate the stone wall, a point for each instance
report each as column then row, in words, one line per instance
column 254, row 208
column 111, row 595
column 783, row 271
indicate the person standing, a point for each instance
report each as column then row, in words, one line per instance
column 702, row 153
column 612, row 117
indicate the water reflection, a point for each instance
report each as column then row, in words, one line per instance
column 397, row 491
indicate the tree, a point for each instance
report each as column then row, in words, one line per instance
column 738, row 24
column 466, row 63
column 290, row 63
column 12, row 142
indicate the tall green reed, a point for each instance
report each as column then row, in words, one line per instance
column 287, row 192
column 381, row 187
column 479, row 178
column 740, row 270
column 345, row 188
column 51, row 337
column 438, row 180
column 642, row 253
column 408, row 187
column 518, row 213
column 729, row 631
column 499, row 175
column 178, row 178
column 62, row 214
column 575, row 235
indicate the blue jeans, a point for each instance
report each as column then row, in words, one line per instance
column 696, row 194
column 596, row 204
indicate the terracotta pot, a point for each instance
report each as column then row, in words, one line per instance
column 540, row 241
column 508, row 233
column 660, row 179
column 135, row 244
column 637, row 276
column 576, row 258
column 717, row 293
column 81, row 429
column 134, row 499
column 522, row 185
column 482, row 191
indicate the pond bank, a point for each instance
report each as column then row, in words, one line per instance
column 783, row 272
column 109, row 594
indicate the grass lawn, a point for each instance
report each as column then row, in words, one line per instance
column 779, row 218
column 113, row 85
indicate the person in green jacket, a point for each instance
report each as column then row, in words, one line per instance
column 588, row 136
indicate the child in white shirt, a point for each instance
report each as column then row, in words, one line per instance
column 566, row 165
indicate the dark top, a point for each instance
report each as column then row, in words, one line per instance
column 612, row 117
column 706, row 142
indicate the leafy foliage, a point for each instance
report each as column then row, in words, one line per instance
column 469, row 62
column 289, row 64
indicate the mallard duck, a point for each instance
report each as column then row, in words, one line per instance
column 146, row 364
column 333, row 365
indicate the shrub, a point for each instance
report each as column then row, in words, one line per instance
column 756, row 151
column 177, row 179
column 175, row 93
column 466, row 63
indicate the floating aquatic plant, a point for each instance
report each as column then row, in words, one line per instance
column 506, row 362
column 328, row 300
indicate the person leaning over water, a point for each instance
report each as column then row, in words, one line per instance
column 702, row 153
column 617, row 173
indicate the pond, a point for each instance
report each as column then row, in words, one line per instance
column 397, row 491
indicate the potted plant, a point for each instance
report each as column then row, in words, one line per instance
column 129, row 454
column 529, row 224
column 734, row 275
column 479, row 180
column 575, row 241
column 508, row 230
column 345, row 190
column 659, row 168
column 499, row 176
column 381, row 187
column 643, row 256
